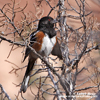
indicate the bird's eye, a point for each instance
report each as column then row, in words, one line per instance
column 48, row 19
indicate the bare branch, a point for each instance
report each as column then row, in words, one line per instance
column 3, row 91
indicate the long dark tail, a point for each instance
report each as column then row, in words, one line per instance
column 27, row 75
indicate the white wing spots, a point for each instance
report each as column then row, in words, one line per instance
column 48, row 44
column 33, row 34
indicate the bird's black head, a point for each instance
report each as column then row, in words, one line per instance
column 46, row 24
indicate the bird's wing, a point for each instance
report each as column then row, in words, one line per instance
column 32, row 40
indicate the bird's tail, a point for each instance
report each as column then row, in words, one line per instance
column 27, row 75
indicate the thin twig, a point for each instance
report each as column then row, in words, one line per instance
column 3, row 91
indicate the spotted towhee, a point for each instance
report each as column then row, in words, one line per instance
column 44, row 41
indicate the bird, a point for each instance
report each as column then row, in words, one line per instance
column 44, row 41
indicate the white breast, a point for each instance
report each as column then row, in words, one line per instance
column 48, row 44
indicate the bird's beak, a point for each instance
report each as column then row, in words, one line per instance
column 53, row 21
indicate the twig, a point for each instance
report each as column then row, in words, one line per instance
column 55, row 85
column 3, row 91
column 85, row 81
column 86, row 88
column 10, row 41
column 10, row 51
